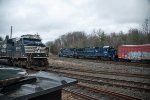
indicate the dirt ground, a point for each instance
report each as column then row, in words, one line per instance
column 98, row 66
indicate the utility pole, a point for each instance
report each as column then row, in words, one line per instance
column 11, row 32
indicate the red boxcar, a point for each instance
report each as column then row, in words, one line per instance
column 134, row 52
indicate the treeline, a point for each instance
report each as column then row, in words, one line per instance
column 1, row 39
column 80, row 39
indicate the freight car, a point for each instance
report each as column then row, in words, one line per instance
column 134, row 52
column 24, row 51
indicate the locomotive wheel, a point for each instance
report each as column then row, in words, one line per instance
column 46, row 62
column 10, row 62
column 99, row 58
column 40, row 63
column 21, row 63
column 15, row 63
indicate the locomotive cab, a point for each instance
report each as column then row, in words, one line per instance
column 109, row 52
column 34, row 49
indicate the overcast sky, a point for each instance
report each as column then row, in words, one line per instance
column 52, row 18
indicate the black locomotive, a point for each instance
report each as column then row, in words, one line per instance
column 24, row 51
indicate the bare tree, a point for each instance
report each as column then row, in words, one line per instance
column 146, row 28
column 1, row 39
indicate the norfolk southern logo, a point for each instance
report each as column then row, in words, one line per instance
column 38, row 49
column 4, row 45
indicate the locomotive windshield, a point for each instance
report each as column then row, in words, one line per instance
column 32, row 42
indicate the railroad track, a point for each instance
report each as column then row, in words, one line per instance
column 102, row 72
column 92, row 79
column 90, row 93
column 99, row 80
column 106, row 81
column 137, row 64
column 79, row 94
column 97, row 94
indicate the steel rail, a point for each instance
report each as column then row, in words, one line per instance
column 118, row 95
column 91, row 79
column 105, row 72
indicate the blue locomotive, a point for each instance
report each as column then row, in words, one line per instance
column 67, row 52
column 105, row 52
column 24, row 51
